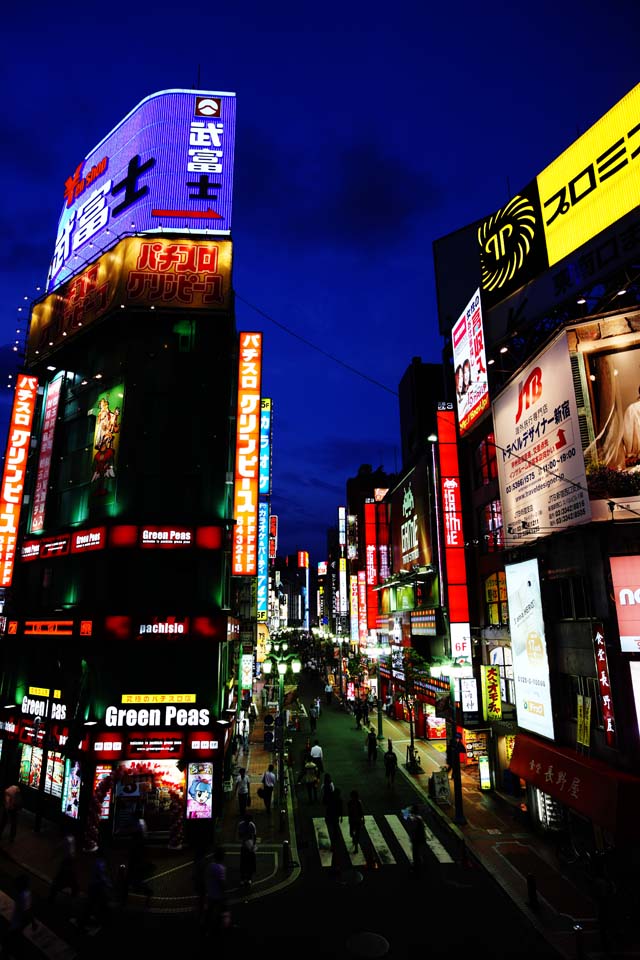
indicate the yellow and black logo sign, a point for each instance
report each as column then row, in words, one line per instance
column 512, row 247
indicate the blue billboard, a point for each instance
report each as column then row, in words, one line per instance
column 166, row 168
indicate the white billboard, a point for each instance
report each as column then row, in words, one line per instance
column 529, row 647
column 470, row 363
column 543, row 485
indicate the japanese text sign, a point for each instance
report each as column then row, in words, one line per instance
column 265, row 447
column 491, row 697
column 470, row 362
column 44, row 459
column 451, row 520
column 15, row 466
column 247, row 467
column 262, row 593
column 604, row 685
column 167, row 166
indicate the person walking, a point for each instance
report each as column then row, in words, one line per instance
column 138, row 866
column 390, row 765
column 317, row 756
column 333, row 814
column 269, row 780
column 215, row 884
column 313, row 717
column 357, row 712
column 355, row 813
column 417, row 830
column 243, row 790
column 10, row 811
column 67, row 874
column 311, row 779
column 365, row 712
column 98, row 892
column 328, row 693
column 248, row 847
column 372, row 746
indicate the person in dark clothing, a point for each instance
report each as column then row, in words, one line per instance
column 248, row 845
column 333, row 814
column 390, row 765
column 372, row 746
column 357, row 711
column 138, row 867
column 365, row 713
column 67, row 876
column 355, row 813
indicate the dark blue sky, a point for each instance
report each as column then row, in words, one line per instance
column 365, row 130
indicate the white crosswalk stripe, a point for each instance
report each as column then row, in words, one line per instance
column 373, row 837
column 401, row 835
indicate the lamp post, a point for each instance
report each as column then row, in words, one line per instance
column 374, row 653
column 283, row 661
column 458, row 816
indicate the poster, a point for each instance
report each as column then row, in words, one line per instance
column 71, row 792
column 200, row 791
column 103, row 771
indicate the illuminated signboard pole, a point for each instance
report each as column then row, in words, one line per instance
column 451, row 567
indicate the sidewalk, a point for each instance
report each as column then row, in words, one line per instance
column 498, row 836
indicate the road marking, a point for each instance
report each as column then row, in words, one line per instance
column 40, row 936
column 401, row 835
column 357, row 859
column 322, row 841
column 379, row 843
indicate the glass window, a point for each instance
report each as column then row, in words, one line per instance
column 495, row 595
column 490, row 525
column 485, row 463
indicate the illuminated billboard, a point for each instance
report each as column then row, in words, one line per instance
column 529, row 647
column 470, row 364
column 247, row 466
column 265, row 447
column 410, row 520
column 168, row 165
column 49, row 417
column 541, row 469
column 262, row 587
column 138, row 272
column 273, row 536
column 595, row 181
column 342, row 526
column 106, row 441
column 344, row 595
column 13, row 477
column 625, row 576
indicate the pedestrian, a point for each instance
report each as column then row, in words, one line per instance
column 10, row 811
column 372, row 746
column 98, row 892
column 390, row 765
column 244, row 733
column 333, row 814
column 268, row 783
column 138, row 867
column 311, row 779
column 318, row 706
column 216, row 876
column 21, row 916
column 357, row 711
column 355, row 813
column 248, row 846
column 313, row 718
column 67, row 874
column 243, row 790
column 327, row 789
column 365, row 712
column 328, row 693
column 317, row 755
column 418, row 836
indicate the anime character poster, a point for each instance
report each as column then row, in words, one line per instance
column 106, row 440
column 199, row 791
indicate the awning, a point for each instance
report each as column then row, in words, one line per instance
column 608, row 797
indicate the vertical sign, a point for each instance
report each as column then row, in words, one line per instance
column 265, row 447
column 455, row 563
column 353, row 593
column 263, row 561
column 344, row 596
column 371, row 563
column 273, row 536
column 51, row 403
column 342, row 526
column 472, row 390
column 106, row 441
column 602, row 669
column 15, row 466
column 362, row 605
column 491, row 699
column 246, row 479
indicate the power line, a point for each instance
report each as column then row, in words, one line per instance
column 315, row 347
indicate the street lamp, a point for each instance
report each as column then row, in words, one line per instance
column 283, row 661
column 375, row 653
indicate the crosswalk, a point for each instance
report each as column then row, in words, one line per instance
column 374, row 840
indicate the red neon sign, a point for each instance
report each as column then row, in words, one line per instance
column 14, row 472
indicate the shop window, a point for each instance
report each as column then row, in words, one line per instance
column 502, row 658
column 568, row 598
column 495, row 595
column 490, row 525
column 485, row 463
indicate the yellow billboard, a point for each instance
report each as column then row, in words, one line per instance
column 138, row 272
column 594, row 182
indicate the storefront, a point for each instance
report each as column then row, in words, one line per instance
column 566, row 788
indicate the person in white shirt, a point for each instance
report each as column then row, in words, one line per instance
column 268, row 783
column 317, row 756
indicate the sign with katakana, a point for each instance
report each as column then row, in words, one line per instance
column 604, row 684
column 470, row 362
column 168, row 166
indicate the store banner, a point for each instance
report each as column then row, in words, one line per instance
column 604, row 685
column 247, row 466
column 491, row 697
column 49, row 417
column 470, row 363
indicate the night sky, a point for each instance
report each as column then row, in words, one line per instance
column 364, row 132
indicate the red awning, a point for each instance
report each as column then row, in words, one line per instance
column 608, row 797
